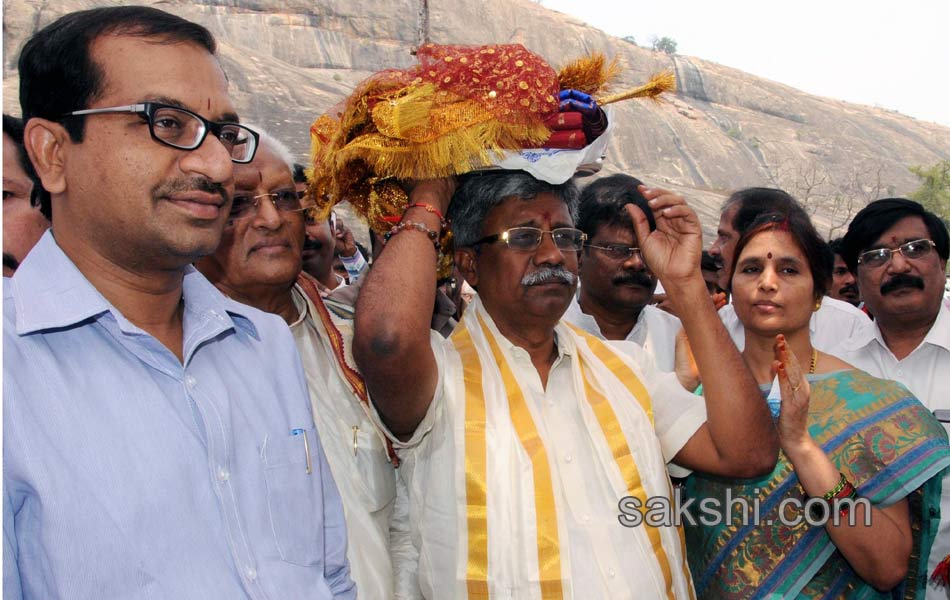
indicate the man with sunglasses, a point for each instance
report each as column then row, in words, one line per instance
column 898, row 251
column 616, row 285
column 525, row 442
column 158, row 439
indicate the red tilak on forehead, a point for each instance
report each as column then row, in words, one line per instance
column 209, row 103
column 260, row 176
column 769, row 256
column 546, row 216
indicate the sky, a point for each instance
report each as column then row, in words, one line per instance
column 894, row 54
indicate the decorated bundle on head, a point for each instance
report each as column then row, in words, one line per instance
column 461, row 109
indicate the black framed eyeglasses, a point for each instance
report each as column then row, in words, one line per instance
column 245, row 205
column 618, row 252
column 180, row 128
column 880, row 256
column 529, row 238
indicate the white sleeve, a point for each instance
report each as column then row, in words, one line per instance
column 677, row 414
column 405, row 555
column 727, row 314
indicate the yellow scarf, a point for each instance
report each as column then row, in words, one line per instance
column 477, row 347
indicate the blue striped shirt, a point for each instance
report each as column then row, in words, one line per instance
column 128, row 474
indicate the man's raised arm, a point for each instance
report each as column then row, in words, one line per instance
column 391, row 336
column 738, row 439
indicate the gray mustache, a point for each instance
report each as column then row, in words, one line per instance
column 549, row 275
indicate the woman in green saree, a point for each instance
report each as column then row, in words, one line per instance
column 844, row 434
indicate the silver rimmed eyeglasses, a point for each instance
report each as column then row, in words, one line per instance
column 245, row 205
column 180, row 128
column 880, row 256
column 529, row 238
column 618, row 252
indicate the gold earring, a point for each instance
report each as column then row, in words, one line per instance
column 817, row 305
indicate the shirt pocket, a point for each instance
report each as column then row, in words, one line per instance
column 294, row 505
column 377, row 477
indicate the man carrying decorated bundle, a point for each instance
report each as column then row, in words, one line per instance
column 521, row 436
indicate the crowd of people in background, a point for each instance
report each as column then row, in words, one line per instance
column 213, row 391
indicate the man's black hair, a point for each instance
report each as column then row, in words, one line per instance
column 58, row 75
column 877, row 217
column 756, row 201
column 835, row 245
column 603, row 201
column 300, row 173
column 13, row 127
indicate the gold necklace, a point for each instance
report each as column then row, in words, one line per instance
column 814, row 361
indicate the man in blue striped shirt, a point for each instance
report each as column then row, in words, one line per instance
column 158, row 441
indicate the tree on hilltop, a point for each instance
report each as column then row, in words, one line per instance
column 664, row 44
column 934, row 190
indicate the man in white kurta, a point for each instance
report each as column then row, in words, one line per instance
column 655, row 332
column 521, row 434
column 357, row 452
column 616, row 285
column 600, row 559
column 259, row 263
column 910, row 338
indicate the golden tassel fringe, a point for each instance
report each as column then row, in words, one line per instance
column 660, row 83
column 397, row 117
column 460, row 152
column 590, row 74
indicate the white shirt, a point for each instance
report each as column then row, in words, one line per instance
column 831, row 326
column 607, row 560
column 926, row 373
column 355, row 451
column 655, row 331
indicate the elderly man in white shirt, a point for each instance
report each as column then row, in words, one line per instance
column 521, row 434
column 616, row 285
column 259, row 263
column 834, row 321
column 899, row 252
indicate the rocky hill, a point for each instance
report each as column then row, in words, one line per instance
column 289, row 60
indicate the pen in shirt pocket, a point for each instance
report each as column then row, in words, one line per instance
column 306, row 447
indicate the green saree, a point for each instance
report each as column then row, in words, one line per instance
column 886, row 443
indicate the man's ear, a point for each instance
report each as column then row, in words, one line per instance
column 465, row 260
column 45, row 142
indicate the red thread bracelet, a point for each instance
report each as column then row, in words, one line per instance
column 430, row 209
